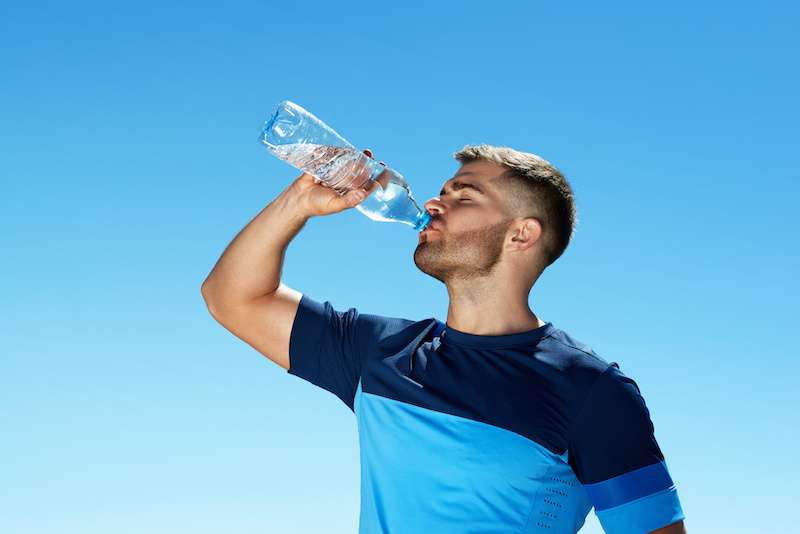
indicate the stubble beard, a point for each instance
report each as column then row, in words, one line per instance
column 464, row 256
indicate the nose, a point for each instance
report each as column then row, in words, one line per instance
column 435, row 207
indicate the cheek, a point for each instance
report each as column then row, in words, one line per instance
column 469, row 218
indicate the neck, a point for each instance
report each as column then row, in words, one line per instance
column 486, row 308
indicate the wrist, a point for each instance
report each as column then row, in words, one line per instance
column 292, row 205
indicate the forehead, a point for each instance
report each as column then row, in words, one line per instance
column 480, row 173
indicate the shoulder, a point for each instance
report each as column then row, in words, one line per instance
column 372, row 325
column 616, row 395
column 320, row 319
column 379, row 335
column 576, row 359
column 614, row 410
column 389, row 330
column 596, row 381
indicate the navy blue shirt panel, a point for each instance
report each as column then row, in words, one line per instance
column 532, row 383
column 327, row 346
column 614, row 433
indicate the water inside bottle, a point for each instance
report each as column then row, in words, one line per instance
column 341, row 168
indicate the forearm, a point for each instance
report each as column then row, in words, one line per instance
column 250, row 266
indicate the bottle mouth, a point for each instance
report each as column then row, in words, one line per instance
column 423, row 222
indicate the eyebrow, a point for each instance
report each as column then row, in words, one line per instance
column 463, row 185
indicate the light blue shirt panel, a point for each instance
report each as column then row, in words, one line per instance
column 424, row 471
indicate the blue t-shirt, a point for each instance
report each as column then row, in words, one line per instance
column 473, row 434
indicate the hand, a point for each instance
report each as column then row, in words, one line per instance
column 319, row 199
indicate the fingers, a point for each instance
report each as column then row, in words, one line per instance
column 354, row 197
column 373, row 184
column 309, row 178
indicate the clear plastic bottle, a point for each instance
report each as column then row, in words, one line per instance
column 304, row 141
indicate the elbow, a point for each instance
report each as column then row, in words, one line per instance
column 215, row 300
column 207, row 294
column 213, row 307
column 207, row 289
column 204, row 292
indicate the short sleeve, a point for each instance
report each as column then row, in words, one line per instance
column 614, row 454
column 328, row 347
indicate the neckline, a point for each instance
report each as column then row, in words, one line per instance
column 529, row 337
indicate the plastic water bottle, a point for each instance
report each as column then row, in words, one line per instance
column 296, row 136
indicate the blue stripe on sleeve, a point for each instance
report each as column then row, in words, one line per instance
column 643, row 515
column 629, row 486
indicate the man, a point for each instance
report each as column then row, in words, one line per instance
column 493, row 421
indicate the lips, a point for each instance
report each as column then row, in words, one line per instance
column 432, row 226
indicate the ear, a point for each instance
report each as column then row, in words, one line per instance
column 525, row 233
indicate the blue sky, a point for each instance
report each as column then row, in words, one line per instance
column 129, row 161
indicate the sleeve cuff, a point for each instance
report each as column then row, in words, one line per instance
column 643, row 515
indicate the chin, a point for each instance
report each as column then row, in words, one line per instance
column 427, row 262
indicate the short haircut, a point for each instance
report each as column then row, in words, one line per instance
column 533, row 187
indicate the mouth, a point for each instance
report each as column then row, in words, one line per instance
column 432, row 227
column 426, row 232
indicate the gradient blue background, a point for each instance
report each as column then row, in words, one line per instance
column 128, row 160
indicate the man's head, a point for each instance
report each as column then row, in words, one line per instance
column 519, row 213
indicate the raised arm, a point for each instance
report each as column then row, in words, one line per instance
column 243, row 292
